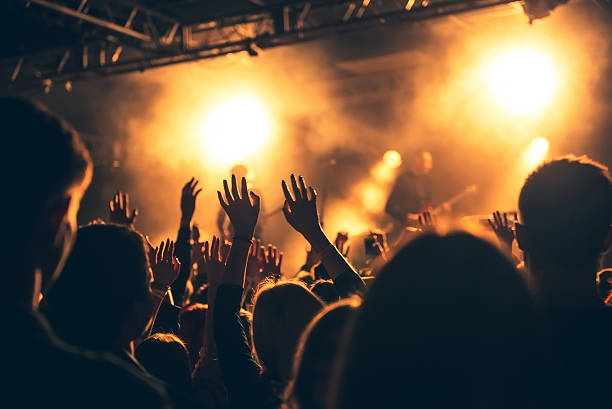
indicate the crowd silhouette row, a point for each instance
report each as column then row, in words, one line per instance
column 97, row 316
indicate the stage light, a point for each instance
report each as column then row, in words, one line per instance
column 235, row 129
column 373, row 197
column 384, row 171
column 523, row 81
column 537, row 151
column 392, row 159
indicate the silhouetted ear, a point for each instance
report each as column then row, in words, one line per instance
column 521, row 237
column 607, row 241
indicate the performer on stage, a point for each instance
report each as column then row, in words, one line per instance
column 411, row 192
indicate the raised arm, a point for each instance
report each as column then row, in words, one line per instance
column 273, row 259
column 189, row 195
column 504, row 231
column 240, row 371
column 214, row 256
column 165, row 268
column 301, row 212
column 119, row 210
column 242, row 209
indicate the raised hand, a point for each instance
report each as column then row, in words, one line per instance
column 503, row 229
column 300, row 209
column 375, row 244
column 272, row 262
column 225, row 250
column 381, row 239
column 196, row 244
column 164, row 265
column 427, row 221
column 255, row 262
column 312, row 258
column 242, row 208
column 188, row 200
column 195, row 233
column 341, row 243
column 215, row 256
column 119, row 210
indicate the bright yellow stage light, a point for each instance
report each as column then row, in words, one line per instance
column 235, row 129
column 392, row 159
column 523, row 81
column 373, row 197
column 537, row 151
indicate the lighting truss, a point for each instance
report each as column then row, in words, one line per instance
column 121, row 36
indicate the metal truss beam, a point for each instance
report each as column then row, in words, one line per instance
column 125, row 30
column 270, row 26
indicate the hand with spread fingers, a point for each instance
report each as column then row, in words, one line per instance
column 215, row 257
column 375, row 245
column 196, row 244
column 341, row 243
column 164, row 265
column 312, row 258
column 195, row 233
column 427, row 221
column 300, row 208
column 119, row 210
column 272, row 263
column 255, row 262
column 242, row 208
column 503, row 229
column 188, row 200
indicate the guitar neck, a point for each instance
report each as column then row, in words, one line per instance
column 453, row 199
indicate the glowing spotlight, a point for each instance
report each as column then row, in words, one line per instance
column 392, row 159
column 235, row 129
column 537, row 151
column 523, row 81
column 373, row 197
column 382, row 173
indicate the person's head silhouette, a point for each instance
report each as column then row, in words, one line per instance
column 565, row 209
column 46, row 170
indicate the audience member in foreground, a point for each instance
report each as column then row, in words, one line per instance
column 165, row 357
column 316, row 356
column 447, row 323
column 137, row 287
column 565, row 211
column 114, row 312
column 49, row 170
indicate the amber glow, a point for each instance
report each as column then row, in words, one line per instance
column 523, row 80
column 392, row 159
column 476, row 101
column 235, row 129
column 536, row 152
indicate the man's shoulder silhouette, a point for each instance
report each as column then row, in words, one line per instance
column 44, row 371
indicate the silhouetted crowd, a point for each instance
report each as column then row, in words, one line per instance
column 96, row 316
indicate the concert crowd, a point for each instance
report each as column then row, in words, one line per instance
column 97, row 316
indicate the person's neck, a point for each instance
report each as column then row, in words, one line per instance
column 562, row 287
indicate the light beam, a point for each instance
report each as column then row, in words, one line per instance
column 523, row 81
